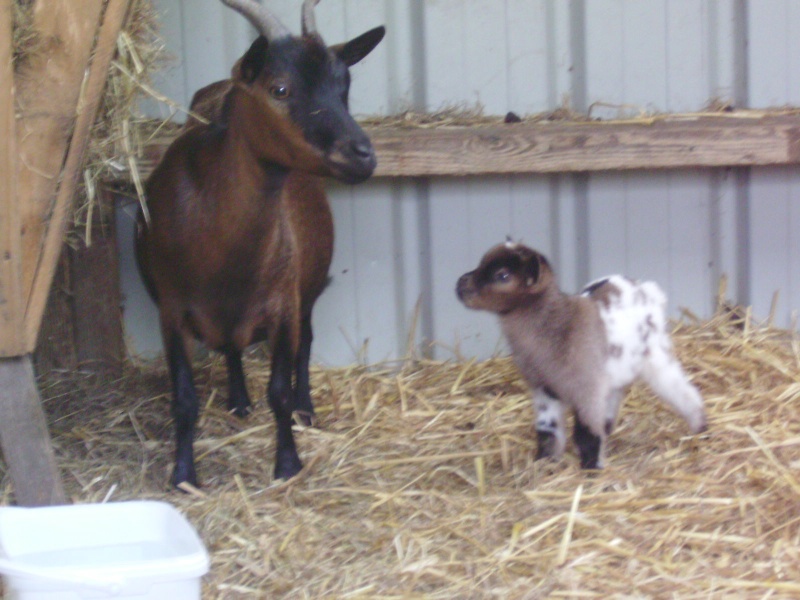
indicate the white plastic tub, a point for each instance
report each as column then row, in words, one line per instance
column 143, row 550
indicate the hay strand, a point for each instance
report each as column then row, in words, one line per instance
column 565, row 541
column 420, row 481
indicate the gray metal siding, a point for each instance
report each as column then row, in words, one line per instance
column 399, row 241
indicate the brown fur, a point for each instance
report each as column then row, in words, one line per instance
column 581, row 351
column 549, row 332
column 240, row 234
column 207, row 103
column 205, row 228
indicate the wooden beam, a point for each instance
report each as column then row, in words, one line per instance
column 561, row 147
column 113, row 20
column 570, row 147
column 48, row 94
column 24, row 438
column 11, row 297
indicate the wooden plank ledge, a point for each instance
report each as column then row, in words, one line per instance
column 568, row 146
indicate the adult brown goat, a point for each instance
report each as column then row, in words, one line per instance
column 238, row 240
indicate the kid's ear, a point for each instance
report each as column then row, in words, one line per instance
column 532, row 270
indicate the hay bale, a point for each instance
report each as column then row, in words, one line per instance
column 420, row 481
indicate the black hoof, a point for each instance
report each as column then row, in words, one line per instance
column 183, row 474
column 287, row 466
column 240, row 411
column 305, row 418
column 545, row 444
column 590, row 464
column 589, row 445
column 303, row 404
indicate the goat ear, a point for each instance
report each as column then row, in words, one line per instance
column 353, row 51
column 532, row 269
column 249, row 67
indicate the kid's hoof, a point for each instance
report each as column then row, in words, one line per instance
column 545, row 444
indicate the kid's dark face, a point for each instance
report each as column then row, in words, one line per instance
column 507, row 277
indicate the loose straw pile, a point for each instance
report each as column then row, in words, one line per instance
column 420, row 481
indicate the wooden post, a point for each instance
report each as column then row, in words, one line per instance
column 49, row 90
column 113, row 20
column 24, row 437
column 96, row 300
column 11, row 298
column 58, row 103
column 23, row 429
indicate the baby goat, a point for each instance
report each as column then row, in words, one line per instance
column 580, row 351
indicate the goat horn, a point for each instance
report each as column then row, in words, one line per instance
column 309, row 21
column 262, row 19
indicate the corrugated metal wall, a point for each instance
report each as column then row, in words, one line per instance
column 403, row 240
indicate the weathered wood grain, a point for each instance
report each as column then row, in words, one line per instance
column 49, row 89
column 557, row 147
column 92, row 94
column 11, row 298
column 570, row 147
column 24, row 438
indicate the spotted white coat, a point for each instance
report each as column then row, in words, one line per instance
column 640, row 347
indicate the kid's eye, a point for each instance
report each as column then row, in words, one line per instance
column 502, row 275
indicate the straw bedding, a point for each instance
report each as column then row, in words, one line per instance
column 420, row 480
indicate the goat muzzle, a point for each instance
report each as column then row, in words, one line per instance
column 353, row 161
column 465, row 288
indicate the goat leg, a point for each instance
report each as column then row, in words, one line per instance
column 238, row 400
column 280, row 395
column 303, row 406
column 185, row 408
column 590, row 444
column 550, row 436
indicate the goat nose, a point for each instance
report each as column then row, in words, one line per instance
column 462, row 285
column 361, row 149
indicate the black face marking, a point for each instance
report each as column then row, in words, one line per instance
column 317, row 88
column 549, row 391
column 609, row 427
column 310, row 83
column 588, row 445
column 505, row 264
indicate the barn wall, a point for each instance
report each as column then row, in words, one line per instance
column 402, row 240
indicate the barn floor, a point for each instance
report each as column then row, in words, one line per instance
column 420, row 482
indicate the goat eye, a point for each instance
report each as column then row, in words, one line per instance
column 279, row 92
column 502, row 275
